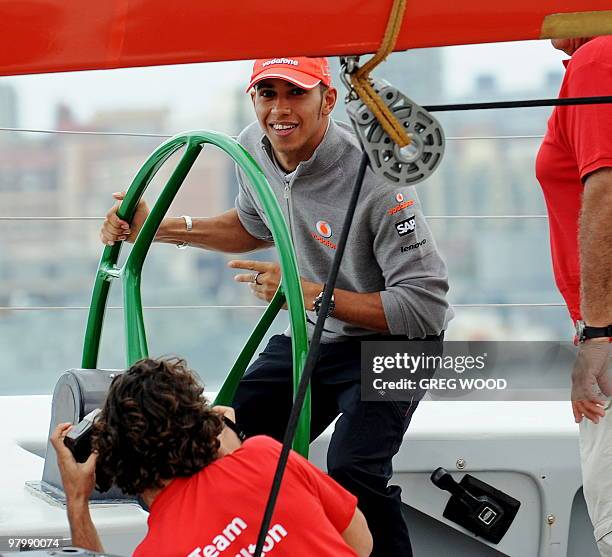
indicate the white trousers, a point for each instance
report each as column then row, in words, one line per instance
column 605, row 545
column 596, row 459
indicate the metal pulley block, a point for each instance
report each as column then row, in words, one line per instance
column 407, row 165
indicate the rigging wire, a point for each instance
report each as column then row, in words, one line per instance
column 80, row 132
column 163, row 136
column 262, row 308
column 568, row 101
column 429, row 217
column 453, row 107
column 153, row 308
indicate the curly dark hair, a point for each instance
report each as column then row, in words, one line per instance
column 155, row 425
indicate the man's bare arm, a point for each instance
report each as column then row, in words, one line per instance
column 84, row 533
column 221, row 233
column 78, row 480
column 357, row 535
column 596, row 249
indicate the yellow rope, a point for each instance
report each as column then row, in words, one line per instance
column 363, row 88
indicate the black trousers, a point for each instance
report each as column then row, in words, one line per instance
column 366, row 436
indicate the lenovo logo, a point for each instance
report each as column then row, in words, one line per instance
column 404, row 249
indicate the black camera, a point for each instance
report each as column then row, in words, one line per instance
column 78, row 439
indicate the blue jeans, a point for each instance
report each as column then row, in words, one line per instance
column 366, row 436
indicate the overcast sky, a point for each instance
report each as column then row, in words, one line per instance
column 187, row 88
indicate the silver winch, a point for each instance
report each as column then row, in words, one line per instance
column 403, row 166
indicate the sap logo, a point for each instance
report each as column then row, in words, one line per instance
column 406, row 226
column 404, row 249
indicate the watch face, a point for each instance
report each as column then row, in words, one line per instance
column 318, row 301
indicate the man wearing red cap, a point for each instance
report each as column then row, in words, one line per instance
column 392, row 282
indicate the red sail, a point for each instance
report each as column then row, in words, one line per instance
column 63, row 35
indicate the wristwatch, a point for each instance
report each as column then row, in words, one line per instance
column 189, row 227
column 584, row 332
column 316, row 304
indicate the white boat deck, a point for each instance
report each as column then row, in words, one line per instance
column 23, row 514
column 529, row 449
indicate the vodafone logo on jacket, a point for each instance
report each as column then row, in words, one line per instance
column 324, row 229
column 399, row 197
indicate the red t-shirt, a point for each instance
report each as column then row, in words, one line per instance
column 218, row 511
column 578, row 142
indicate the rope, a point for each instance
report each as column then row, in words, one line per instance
column 311, row 358
column 361, row 83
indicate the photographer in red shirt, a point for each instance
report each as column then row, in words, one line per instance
column 157, row 437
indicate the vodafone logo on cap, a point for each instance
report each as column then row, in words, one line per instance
column 324, row 229
column 288, row 61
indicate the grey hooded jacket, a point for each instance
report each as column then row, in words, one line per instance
column 390, row 247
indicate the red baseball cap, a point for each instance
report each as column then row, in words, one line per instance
column 301, row 71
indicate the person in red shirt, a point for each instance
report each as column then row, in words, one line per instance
column 574, row 167
column 157, row 437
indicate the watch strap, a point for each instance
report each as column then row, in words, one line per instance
column 597, row 332
column 231, row 424
column 316, row 304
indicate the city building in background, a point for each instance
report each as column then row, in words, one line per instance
column 51, row 263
